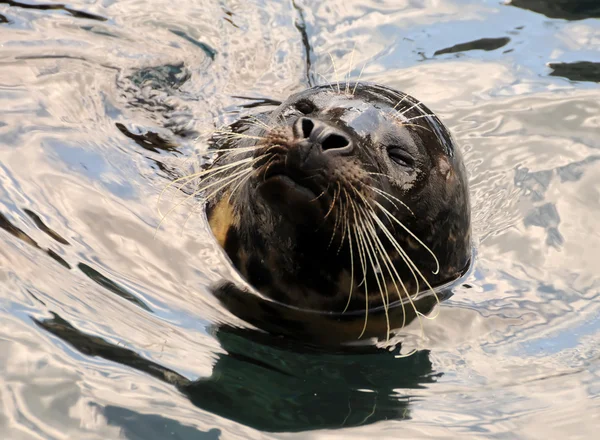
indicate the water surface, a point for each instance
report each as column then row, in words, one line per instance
column 108, row 329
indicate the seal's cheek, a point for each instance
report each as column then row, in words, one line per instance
column 222, row 219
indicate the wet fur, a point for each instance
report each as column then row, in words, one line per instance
column 300, row 253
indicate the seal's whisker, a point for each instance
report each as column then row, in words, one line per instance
column 320, row 195
column 371, row 213
column 402, row 253
column 241, row 182
column 335, row 194
column 400, row 102
column 390, row 267
column 190, row 214
column 233, row 134
column 327, row 81
column 350, row 66
column 351, row 265
column 229, row 176
column 206, row 198
column 235, row 150
column 419, row 117
column 337, row 78
column 172, row 209
column 370, row 248
column 363, row 263
column 213, row 171
column 189, row 178
column 391, row 238
column 398, row 248
column 260, row 123
column 397, row 117
column 414, row 266
column 404, row 124
column 377, row 241
column 437, row 263
column 410, row 299
column 379, row 278
column 252, row 172
column 267, row 165
column 343, row 214
column 226, row 153
column 358, row 80
column 391, row 198
column 407, row 261
column 254, row 124
column 230, row 179
column 337, row 215
column 268, row 150
column 282, row 120
column 405, row 111
column 222, row 182
column 310, row 177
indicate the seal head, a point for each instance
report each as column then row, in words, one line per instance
column 341, row 200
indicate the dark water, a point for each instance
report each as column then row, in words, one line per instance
column 109, row 331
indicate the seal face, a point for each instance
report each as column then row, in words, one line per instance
column 341, row 200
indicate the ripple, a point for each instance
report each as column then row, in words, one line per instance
column 108, row 327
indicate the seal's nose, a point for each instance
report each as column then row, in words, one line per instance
column 330, row 139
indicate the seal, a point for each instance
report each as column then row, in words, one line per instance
column 341, row 200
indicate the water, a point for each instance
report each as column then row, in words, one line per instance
column 109, row 331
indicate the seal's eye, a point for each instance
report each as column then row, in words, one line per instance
column 401, row 157
column 305, row 107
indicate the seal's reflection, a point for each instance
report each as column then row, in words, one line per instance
column 277, row 384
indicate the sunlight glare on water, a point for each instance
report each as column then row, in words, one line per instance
column 108, row 328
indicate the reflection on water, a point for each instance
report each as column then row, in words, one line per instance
column 53, row 6
column 272, row 384
column 578, row 71
column 480, row 44
column 108, row 328
column 567, row 9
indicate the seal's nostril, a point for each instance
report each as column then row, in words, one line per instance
column 307, row 127
column 309, row 132
column 334, row 141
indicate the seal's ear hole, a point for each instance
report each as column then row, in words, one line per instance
column 307, row 127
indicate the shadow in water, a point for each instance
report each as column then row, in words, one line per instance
column 53, row 7
column 90, row 272
column 275, row 384
column 149, row 141
column 579, row 71
column 21, row 235
column 567, row 9
column 487, row 44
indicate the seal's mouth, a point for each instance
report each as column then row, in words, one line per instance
column 291, row 185
column 287, row 181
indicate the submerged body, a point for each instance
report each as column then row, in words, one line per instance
column 341, row 200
